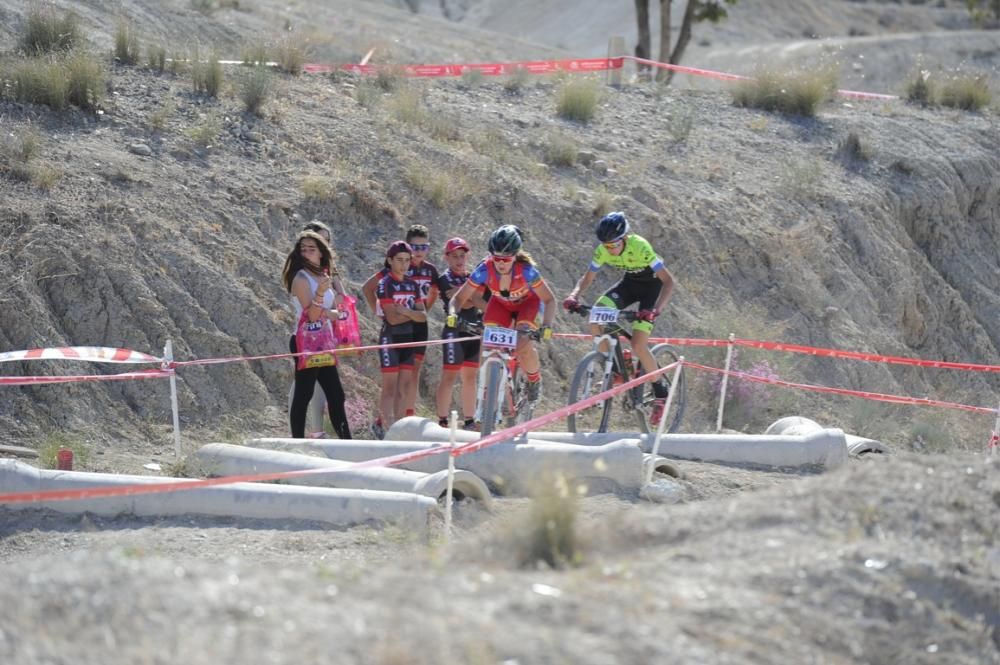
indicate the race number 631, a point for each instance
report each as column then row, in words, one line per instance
column 501, row 337
column 603, row 315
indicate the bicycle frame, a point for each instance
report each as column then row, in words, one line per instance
column 507, row 393
column 615, row 361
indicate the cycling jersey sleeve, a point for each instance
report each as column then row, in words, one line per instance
column 649, row 257
column 479, row 276
column 597, row 259
column 531, row 276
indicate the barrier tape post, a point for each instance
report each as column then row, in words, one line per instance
column 168, row 357
column 453, row 426
column 725, row 382
column 994, row 434
column 663, row 418
column 616, row 49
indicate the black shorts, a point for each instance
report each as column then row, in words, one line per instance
column 420, row 334
column 459, row 354
column 629, row 291
column 392, row 360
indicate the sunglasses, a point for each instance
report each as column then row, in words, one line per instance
column 421, row 248
column 502, row 259
column 612, row 244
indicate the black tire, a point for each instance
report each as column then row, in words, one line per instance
column 664, row 354
column 491, row 398
column 588, row 380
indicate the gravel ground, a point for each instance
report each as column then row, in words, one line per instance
column 888, row 560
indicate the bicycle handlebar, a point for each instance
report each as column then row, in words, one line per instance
column 626, row 314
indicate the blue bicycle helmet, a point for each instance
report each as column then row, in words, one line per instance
column 612, row 227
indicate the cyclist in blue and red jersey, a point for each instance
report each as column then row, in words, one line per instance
column 517, row 292
column 646, row 282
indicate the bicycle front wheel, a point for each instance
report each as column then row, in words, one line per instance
column 664, row 354
column 589, row 380
column 491, row 398
column 515, row 401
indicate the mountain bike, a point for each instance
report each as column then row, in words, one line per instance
column 502, row 393
column 599, row 370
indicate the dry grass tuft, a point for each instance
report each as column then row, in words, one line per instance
column 127, row 49
column 49, row 449
column 156, row 58
column 515, row 82
column 969, row 92
column 560, row 150
column 45, row 31
column 206, row 76
column 577, row 100
column 790, row 92
column 256, row 88
column 549, row 533
column 851, row 150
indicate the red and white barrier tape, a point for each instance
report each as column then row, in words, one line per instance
column 343, row 351
column 722, row 76
column 502, row 435
column 484, row 68
column 126, row 376
column 102, row 354
column 870, row 357
column 879, row 397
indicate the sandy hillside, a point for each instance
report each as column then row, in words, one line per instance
column 168, row 215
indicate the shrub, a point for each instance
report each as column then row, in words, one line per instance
column 792, row 93
column 472, row 78
column 156, row 58
column 549, row 533
column 919, row 89
column 45, row 176
column 319, row 188
column 256, row 87
column 206, row 76
column 407, row 105
column 745, row 397
column 127, row 50
column 290, row 56
column 256, row 54
column 158, row 118
column 45, row 31
column 680, row 123
column 515, row 82
column 20, row 147
column 851, row 149
column 966, row 92
column 603, row 202
column 389, row 77
column 800, row 179
column 41, row 81
column 49, row 449
column 560, row 150
column 178, row 64
column 85, row 84
column 368, row 93
column 205, row 133
column 577, row 100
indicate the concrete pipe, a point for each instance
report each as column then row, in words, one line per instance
column 507, row 467
column 797, row 425
column 825, row 447
column 249, row 500
column 228, row 460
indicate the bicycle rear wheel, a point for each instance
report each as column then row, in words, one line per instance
column 664, row 354
column 589, row 380
column 491, row 398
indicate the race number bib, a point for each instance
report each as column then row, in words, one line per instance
column 603, row 315
column 500, row 337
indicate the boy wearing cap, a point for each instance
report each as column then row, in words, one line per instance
column 460, row 359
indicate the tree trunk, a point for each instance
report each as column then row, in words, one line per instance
column 683, row 37
column 664, row 36
column 642, row 48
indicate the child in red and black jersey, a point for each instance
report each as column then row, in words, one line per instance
column 402, row 305
column 426, row 276
column 460, row 358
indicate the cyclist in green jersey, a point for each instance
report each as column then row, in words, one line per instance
column 647, row 282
